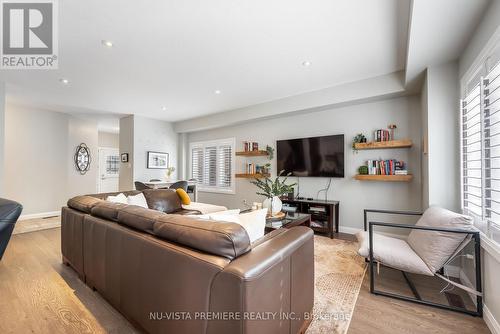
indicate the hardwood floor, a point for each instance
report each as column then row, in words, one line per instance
column 378, row 314
column 38, row 294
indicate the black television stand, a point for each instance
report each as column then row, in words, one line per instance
column 324, row 214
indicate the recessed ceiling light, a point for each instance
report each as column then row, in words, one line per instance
column 164, row 108
column 306, row 63
column 217, row 92
column 106, row 43
column 64, row 81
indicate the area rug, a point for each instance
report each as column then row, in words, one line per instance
column 339, row 273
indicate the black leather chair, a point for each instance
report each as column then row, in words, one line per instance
column 140, row 186
column 179, row 184
column 9, row 213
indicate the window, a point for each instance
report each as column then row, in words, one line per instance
column 112, row 164
column 480, row 148
column 212, row 165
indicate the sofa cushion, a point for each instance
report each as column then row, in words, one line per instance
column 138, row 217
column 434, row 247
column 107, row 210
column 228, row 240
column 165, row 200
column 83, row 203
column 392, row 252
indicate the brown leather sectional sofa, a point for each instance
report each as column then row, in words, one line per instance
column 171, row 273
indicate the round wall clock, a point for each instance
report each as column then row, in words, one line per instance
column 82, row 158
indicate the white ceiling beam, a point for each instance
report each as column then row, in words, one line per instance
column 371, row 89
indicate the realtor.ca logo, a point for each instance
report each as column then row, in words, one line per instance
column 29, row 34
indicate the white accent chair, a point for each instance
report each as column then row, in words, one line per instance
column 434, row 241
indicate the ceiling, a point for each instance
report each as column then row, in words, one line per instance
column 177, row 53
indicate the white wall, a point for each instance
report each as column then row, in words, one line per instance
column 484, row 31
column 425, row 143
column 153, row 135
column 126, row 179
column 39, row 149
column 441, row 92
column 81, row 131
column 353, row 195
column 138, row 135
column 107, row 139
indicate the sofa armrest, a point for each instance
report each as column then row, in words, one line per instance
column 269, row 253
column 276, row 276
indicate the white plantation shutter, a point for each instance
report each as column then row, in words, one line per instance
column 491, row 106
column 472, row 153
column 197, row 164
column 224, row 161
column 212, row 165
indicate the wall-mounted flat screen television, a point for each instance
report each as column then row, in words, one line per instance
column 315, row 156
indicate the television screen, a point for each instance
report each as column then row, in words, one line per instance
column 315, row 156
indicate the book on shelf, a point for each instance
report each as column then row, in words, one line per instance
column 382, row 135
column 386, row 167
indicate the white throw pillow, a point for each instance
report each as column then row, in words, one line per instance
column 433, row 247
column 120, row 198
column 254, row 222
column 138, row 200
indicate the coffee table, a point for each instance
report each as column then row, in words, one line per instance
column 290, row 220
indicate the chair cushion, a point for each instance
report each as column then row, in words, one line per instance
column 183, row 196
column 433, row 247
column 228, row 240
column 392, row 252
column 165, row 200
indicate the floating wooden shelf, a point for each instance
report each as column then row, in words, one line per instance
column 373, row 145
column 252, row 153
column 384, row 178
column 251, row 176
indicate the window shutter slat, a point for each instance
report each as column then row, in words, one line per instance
column 472, row 153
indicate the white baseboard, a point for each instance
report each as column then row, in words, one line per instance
column 490, row 320
column 40, row 215
column 349, row 230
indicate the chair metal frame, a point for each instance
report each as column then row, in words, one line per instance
column 477, row 259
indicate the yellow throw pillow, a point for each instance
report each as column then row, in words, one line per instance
column 183, row 196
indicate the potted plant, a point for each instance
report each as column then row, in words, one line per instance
column 270, row 152
column 168, row 172
column 272, row 190
column 360, row 138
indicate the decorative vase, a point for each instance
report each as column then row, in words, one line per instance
column 274, row 204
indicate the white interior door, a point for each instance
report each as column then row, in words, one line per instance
column 109, row 169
